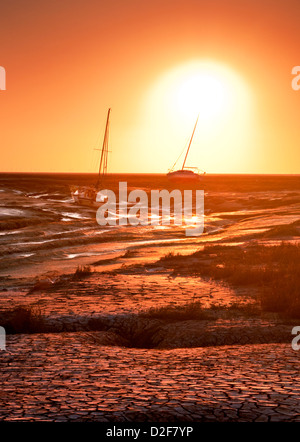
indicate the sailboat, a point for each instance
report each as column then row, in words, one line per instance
column 86, row 195
column 186, row 174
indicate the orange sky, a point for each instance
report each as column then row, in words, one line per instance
column 68, row 61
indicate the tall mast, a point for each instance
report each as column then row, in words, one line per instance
column 190, row 143
column 104, row 152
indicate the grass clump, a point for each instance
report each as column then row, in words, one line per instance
column 82, row 272
column 181, row 312
column 237, row 309
column 23, row 319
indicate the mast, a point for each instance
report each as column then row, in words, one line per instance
column 190, row 143
column 104, row 152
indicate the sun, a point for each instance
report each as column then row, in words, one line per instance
column 203, row 88
column 202, row 93
column 217, row 96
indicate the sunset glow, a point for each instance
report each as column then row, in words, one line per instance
column 223, row 102
column 204, row 94
column 149, row 214
column 157, row 65
column 201, row 88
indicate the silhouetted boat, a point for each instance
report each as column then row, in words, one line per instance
column 86, row 195
column 186, row 174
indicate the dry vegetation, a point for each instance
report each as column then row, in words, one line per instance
column 181, row 312
column 275, row 270
column 194, row 310
column 23, row 319
column 82, row 272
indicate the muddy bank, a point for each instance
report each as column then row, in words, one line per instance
column 66, row 377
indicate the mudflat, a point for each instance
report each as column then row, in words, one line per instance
column 141, row 323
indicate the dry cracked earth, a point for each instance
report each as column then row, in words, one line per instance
column 224, row 370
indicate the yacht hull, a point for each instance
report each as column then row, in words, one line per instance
column 184, row 176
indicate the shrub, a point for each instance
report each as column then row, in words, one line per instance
column 82, row 272
column 23, row 319
column 179, row 312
